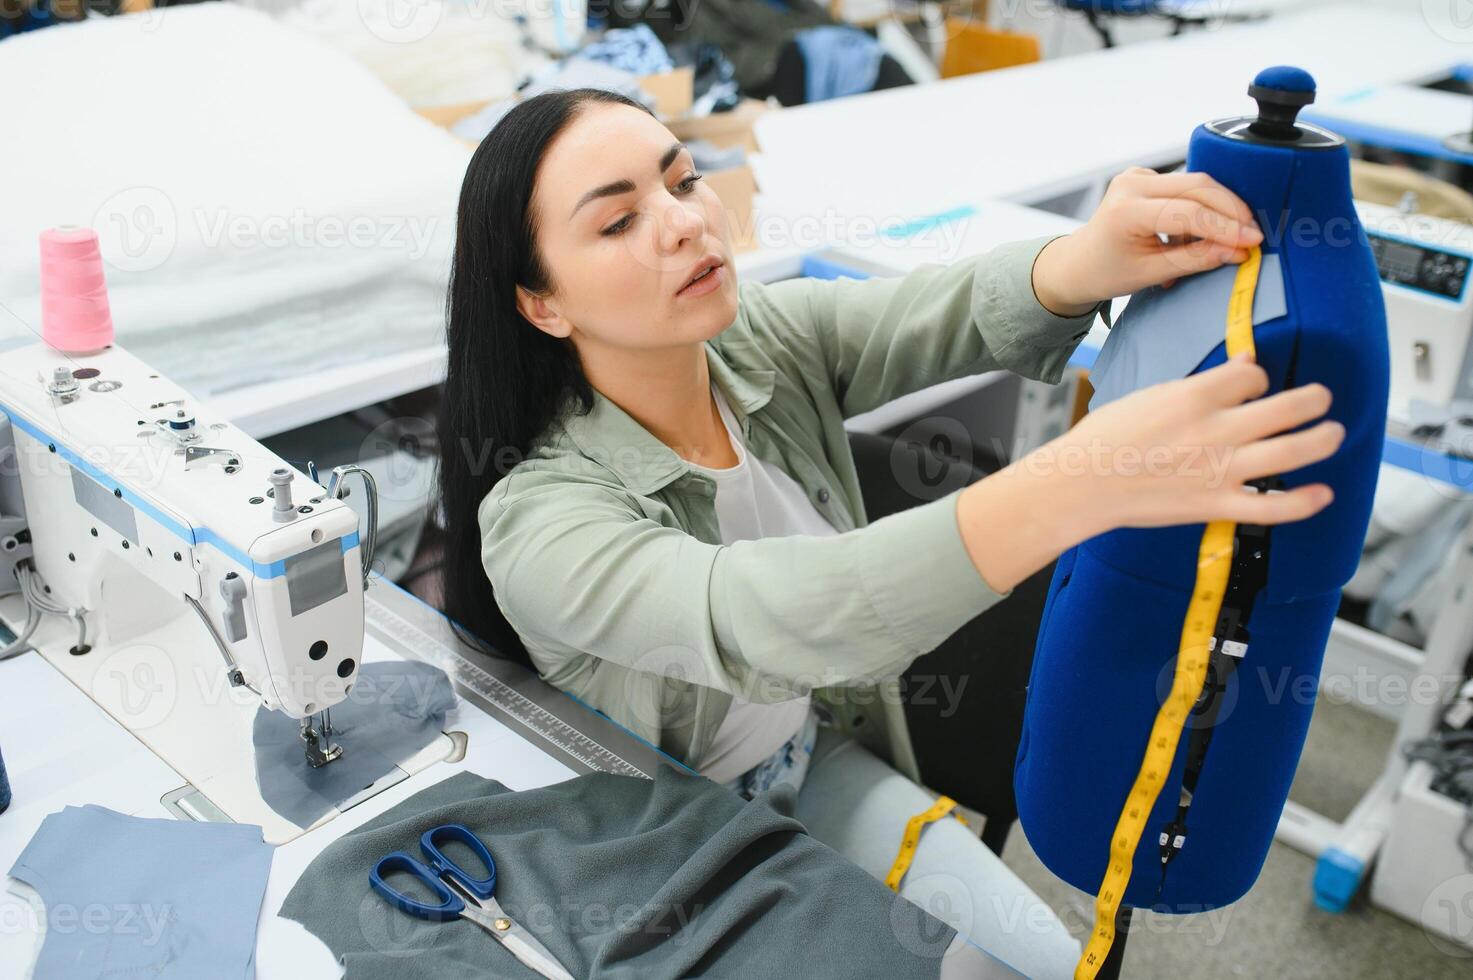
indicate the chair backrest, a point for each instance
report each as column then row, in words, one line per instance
column 972, row 47
column 965, row 699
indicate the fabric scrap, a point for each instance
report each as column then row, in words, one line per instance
column 132, row 896
column 838, row 60
column 393, row 710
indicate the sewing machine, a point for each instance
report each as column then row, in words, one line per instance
column 203, row 576
column 1425, row 265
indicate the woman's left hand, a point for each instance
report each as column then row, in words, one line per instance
column 1120, row 249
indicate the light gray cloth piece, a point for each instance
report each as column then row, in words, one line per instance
column 395, row 709
column 709, row 157
column 623, row 878
column 1165, row 333
column 569, row 73
column 136, row 897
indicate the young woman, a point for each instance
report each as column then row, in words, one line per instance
column 649, row 496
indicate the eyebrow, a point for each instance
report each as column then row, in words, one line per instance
column 625, row 186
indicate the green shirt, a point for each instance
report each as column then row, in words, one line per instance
column 605, row 554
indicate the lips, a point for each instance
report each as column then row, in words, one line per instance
column 700, row 270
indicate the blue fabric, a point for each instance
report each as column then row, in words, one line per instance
column 633, row 49
column 1123, row 8
column 128, row 896
column 1165, row 333
column 31, row 19
column 837, row 61
column 1110, row 629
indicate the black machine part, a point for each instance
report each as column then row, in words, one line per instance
column 1276, row 123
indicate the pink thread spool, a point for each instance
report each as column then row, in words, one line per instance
column 75, row 317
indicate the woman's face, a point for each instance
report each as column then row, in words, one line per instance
column 623, row 224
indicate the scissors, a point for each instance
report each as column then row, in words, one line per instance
column 462, row 896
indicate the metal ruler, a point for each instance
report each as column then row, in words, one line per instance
column 1214, row 562
column 543, row 715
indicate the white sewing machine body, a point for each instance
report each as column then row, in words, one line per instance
column 115, row 506
column 156, row 518
column 1425, row 265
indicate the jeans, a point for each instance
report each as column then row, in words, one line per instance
column 857, row 804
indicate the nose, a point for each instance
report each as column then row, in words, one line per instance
column 679, row 222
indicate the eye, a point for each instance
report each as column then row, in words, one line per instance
column 618, row 226
column 686, row 186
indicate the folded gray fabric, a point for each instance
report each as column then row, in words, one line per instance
column 623, row 878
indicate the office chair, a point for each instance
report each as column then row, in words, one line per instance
column 965, row 749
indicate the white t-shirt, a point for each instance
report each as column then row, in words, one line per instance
column 755, row 499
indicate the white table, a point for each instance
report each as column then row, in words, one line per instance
column 1036, row 131
column 1408, row 118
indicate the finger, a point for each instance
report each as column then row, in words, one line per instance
column 1187, row 217
column 1231, row 212
column 1205, row 189
column 1276, row 413
column 1188, row 260
column 1287, row 453
column 1132, row 175
column 1231, row 383
column 1275, row 508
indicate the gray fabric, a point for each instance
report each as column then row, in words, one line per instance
column 624, row 878
column 1419, row 564
column 134, row 897
column 1165, row 333
column 392, row 711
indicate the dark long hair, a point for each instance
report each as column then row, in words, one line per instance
column 506, row 381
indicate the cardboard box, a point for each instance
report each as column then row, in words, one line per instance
column 736, row 188
column 723, row 129
column 448, row 115
column 673, row 91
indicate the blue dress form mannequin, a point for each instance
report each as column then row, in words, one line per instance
column 1107, row 644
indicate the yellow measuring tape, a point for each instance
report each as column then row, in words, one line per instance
column 1214, row 561
column 912, row 838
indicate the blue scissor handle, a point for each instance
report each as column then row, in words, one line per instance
column 430, row 843
column 450, row 905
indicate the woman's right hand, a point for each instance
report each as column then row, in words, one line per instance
column 1199, row 441
column 1174, row 453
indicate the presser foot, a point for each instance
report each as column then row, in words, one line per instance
column 317, row 737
